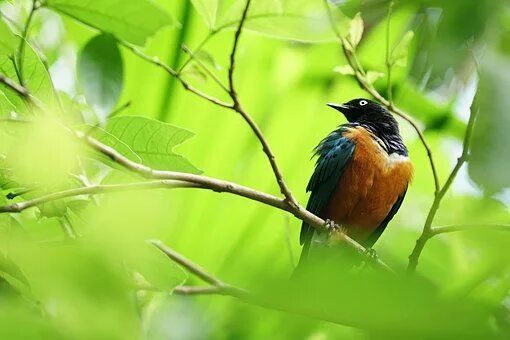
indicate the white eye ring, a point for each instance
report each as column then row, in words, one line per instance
column 363, row 102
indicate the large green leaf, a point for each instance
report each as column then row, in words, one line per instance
column 148, row 141
column 6, row 106
column 301, row 20
column 133, row 21
column 488, row 164
column 36, row 77
column 101, row 73
column 7, row 39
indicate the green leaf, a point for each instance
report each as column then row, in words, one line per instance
column 6, row 106
column 101, row 73
column 7, row 39
column 149, row 141
column 489, row 156
column 355, row 30
column 399, row 54
column 346, row 70
column 132, row 21
column 297, row 20
column 37, row 81
column 372, row 76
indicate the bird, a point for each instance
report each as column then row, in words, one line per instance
column 361, row 175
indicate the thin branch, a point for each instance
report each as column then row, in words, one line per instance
column 360, row 76
column 92, row 190
column 388, row 63
column 193, row 268
column 18, row 89
column 173, row 73
column 200, row 290
column 289, row 198
column 427, row 232
column 217, row 286
column 469, row 227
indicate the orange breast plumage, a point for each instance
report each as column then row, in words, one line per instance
column 370, row 185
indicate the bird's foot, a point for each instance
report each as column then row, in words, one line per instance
column 332, row 227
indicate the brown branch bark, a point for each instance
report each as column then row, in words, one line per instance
column 427, row 232
column 468, row 227
column 289, row 198
column 92, row 190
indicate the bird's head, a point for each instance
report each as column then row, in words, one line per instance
column 357, row 109
column 363, row 110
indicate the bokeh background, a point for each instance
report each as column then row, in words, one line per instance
column 285, row 76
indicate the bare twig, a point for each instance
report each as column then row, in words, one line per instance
column 289, row 198
column 193, row 268
column 19, row 90
column 388, row 63
column 91, row 190
column 427, row 232
column 469, row 227
column 217, row 286
column 360, row 76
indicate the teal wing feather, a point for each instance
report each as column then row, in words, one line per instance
column 334, row 153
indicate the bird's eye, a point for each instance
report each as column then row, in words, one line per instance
column 363, row 102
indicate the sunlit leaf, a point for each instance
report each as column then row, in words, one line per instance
column 355, row 30
column 299, row 20
column 488, row 164
column 6, row 106
column 37, row 80
column 133, row 21
column 7, row 39
column 399, row 54
column 152, row 142
column 372, row 76
column 344, row 69
column 101, row 73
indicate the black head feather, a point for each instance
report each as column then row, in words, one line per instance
column 376, row 119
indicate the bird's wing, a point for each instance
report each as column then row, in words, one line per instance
column 334, row 153
column 380, row 229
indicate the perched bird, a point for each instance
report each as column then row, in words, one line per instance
column 361, row 175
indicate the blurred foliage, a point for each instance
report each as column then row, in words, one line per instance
column 109, row 283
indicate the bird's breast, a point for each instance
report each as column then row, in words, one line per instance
column 369, row 185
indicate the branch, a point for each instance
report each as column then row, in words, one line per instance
column 469, row 227
column 289, row 198
column 427, row 232
column 91, row 190
column 13, row 86
column 217, row 286
column 360, row 76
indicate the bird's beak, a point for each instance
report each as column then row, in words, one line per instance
column 340, row 107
